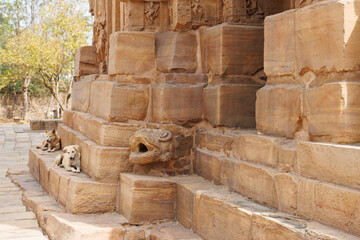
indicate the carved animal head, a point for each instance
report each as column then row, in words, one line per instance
column 151, row 146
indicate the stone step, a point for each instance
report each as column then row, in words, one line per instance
column 60, row 225
column 288, row 192
column 76, row 191
column 215, row 213
column 100, row 131
column 146, row 199
column 172, row 231
column 112, row 101
column 327, row 162
column 66, row 226
column 101, row 163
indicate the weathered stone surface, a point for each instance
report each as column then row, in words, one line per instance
column 288, row 157
column 218, row 142
column 188, row 14
column 81, row 95
column 286, row 188
column 44, row 124
column 208, row 165
column 304, row 3
column 235, row 49
column 107, row 163
column 279, row 53
column 278, row 6
column 185, row 197
column 225, row 219
column 176, row 52
column 256, row 183
column 266, row 227
column 332, row 205
column 102, row 163
column 177, row 103
column 146, row 199
column 44, row 169
column 231, row 105
column 119, row 102
column 333, row 112
column 33, row 165
column 258, row 148
column 99, row 130
column 87, row 196
column 250, row 180
column 131, row 53
column 65, row 226
column 172, row 232
column 278, row 110
column 85, row 61
column 201, row 137
column 331, row 163
column 54, row 181
column 182, row 78
column 336, row 17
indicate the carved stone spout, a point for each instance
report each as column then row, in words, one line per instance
column 151, row 146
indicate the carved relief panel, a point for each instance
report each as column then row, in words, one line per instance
column 100, row 32
column 145, row 15
column 194, row 13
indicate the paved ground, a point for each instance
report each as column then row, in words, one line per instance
column 15, row 221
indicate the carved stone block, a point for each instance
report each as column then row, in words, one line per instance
column 131, row 53
column 231, row 105
column 145, row 199
column 85, row 61
column 337, row 26
column 176, row 52
column 333, row 112
column 234, row 11
column 194, row 13
column 81, row 95
column 177, row 103
column 279, row 53
column 278, row 110
column 235, row 49
column 119, row 102
column 146, row 15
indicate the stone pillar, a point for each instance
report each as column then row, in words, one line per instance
column 234, row 57
column 312, row 58
column 116, row 16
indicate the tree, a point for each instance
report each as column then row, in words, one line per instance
column 65, row 27
column 21, row 57
column 46, row 49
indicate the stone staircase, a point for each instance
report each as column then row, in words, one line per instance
column 210, row 204
column 193, row 79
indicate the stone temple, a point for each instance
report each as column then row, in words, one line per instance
column 214, row 120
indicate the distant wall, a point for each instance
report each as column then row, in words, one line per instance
column 11, row 106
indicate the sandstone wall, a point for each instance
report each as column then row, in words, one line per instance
column 11, row 106
column 312, row 63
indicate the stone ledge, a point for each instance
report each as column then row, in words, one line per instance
column 78, row 192
column 288, row 192
column 44, row 124
column 230, row 216
column 103, row 164
column 100, row 131
column 327, row 162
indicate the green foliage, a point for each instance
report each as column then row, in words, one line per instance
column 43, row 51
